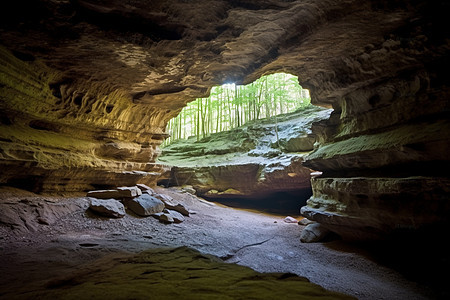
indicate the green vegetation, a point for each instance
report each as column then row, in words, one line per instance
column 230, row 106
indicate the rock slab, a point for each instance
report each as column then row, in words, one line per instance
column 145, row 205
column 110, row 208
column 118, row 193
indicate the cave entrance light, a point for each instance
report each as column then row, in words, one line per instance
column 230, row 105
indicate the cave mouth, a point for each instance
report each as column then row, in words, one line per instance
column 284, row 203
column 231, row 105
column 243, row 146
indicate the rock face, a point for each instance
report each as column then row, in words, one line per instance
column 87, row 86
column 259, row 158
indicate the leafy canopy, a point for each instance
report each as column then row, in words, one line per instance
column 229, row 106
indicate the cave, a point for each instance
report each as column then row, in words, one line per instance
column 87, row 88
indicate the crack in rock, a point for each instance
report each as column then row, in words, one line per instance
column 234, row 252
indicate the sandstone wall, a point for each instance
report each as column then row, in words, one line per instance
column 384, row 154
column 57, row 136
column 88, row 85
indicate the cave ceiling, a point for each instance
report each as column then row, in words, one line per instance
column 166, row 53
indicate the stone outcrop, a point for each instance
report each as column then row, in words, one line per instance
column 256, row 159
column 87, row 86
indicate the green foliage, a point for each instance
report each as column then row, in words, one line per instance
column 229, row 106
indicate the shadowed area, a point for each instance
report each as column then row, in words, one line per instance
column 177, row 273
column 279, row 203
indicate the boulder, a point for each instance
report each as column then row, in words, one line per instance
column 110, row 208
column 313, row 233
column 172, row 204
column 176, row 216
column 144, row 205
column 169, row 216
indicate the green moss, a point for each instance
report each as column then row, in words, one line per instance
column 392, row 139
column 181, row 273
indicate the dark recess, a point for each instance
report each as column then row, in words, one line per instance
column 126, row 22
column 279, row 203
column 28, row 183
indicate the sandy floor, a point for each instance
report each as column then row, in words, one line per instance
column 263, row 242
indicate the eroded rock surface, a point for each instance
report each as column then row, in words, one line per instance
column 259, row 158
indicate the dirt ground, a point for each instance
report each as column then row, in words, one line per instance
column 58, row 243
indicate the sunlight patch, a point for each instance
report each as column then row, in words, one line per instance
column 229, row 106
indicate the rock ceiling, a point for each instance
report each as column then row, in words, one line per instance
column 165, row 53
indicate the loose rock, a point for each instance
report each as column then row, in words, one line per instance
column 145, row 205
column 145, row 189
column 169, row 216
column 290, row 219
column 176, row 216
column 172, row 204
column 110, row 208
column 166, row 218
column 313, row 233
column 128, row 192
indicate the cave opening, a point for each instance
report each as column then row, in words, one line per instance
column 231, row 105
column 87, row 87
column 243, row 146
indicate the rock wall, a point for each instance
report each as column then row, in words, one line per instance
column 384, row 153
column 87, row 87
column 54, row 137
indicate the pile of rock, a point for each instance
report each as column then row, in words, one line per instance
column 141, row 200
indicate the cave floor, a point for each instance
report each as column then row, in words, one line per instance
column 263, row 242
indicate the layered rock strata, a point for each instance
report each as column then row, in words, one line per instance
column 384, row 152
column 87, row 86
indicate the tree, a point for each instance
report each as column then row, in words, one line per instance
column 230, row 106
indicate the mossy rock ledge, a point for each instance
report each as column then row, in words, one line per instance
column 263, row 156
